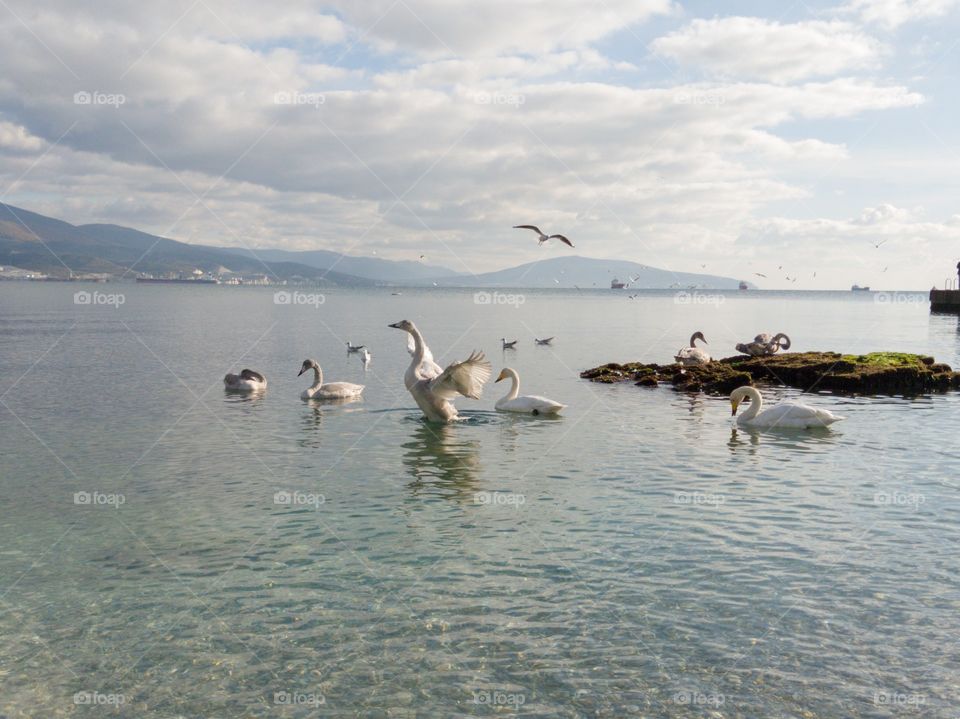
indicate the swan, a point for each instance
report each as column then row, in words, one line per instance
column 508, row 345
column 434, row 394
column 786, row 415
column 544, row 341
column 353, row 348
column 693, row 355
column 247, row 381
column 428, row 368
column 529, row 404
column 331, row 390
column 765, row 345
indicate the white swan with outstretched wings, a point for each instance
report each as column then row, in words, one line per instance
column 434, row 393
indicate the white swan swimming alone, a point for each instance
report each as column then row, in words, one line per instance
column 247, row 381
column 693, row 355
column 434, row 394
column 792, row 415
column 528, row 403
column 332, row 390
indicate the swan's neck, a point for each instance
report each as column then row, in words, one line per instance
column 418, row 347
column 514, row 385
column 317, row 377
column 693, row 341
column 756, row 404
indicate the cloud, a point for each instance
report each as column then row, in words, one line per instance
column 891, row 14
column 760, row 49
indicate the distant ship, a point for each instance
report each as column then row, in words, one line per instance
column 744, row 285
column 858, row 288
column 617, row 285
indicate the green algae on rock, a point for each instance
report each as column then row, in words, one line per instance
column 875, row 373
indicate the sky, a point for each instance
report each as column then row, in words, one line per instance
column 815, row 143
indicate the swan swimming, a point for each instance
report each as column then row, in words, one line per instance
column 790, row 415
column 332, row 390
column 247, row 381
column 693, row 355
column 529, row 404
column 434, row 394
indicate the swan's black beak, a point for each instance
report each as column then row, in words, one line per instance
column 395, row 325
column 301, row 371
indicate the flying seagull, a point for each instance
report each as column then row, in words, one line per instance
column 543, row 237
column 759, row 274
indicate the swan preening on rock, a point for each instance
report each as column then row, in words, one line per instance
column 529, row 404
column 789, row 415
column 694, row 355
column 247, row 381
column 763, row 344
column 332, row 390
column 434, row 393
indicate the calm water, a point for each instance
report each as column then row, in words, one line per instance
column 636, row 557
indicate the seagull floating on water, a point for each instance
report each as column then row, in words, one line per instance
column 543, row 237
column 508, row 345
column 353, row 348
column 544, row 341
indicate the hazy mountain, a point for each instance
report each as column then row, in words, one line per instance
column 584, row 272
column 374, row 268
column 35, row 242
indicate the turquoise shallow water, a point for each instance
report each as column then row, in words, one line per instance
column 246, row 557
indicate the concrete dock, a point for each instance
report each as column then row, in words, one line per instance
column 945, row 301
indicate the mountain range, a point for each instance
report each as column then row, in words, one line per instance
column 35, row 242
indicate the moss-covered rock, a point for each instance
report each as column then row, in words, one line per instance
column 874, row 373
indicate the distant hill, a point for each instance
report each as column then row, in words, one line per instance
column 43, row 244
column 585, row 272
column 373, row 268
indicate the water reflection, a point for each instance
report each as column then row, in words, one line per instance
column 313, row 418
column 440, row 460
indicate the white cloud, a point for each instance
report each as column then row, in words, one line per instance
column 756, row 48
column 891, row 14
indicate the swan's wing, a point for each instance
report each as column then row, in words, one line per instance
column 792, row 414
column 430, row 369
column 411, row 345
column 466, row 378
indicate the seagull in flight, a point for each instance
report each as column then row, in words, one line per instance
column 543, row 237
column 759, row 274
column 877, row 244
